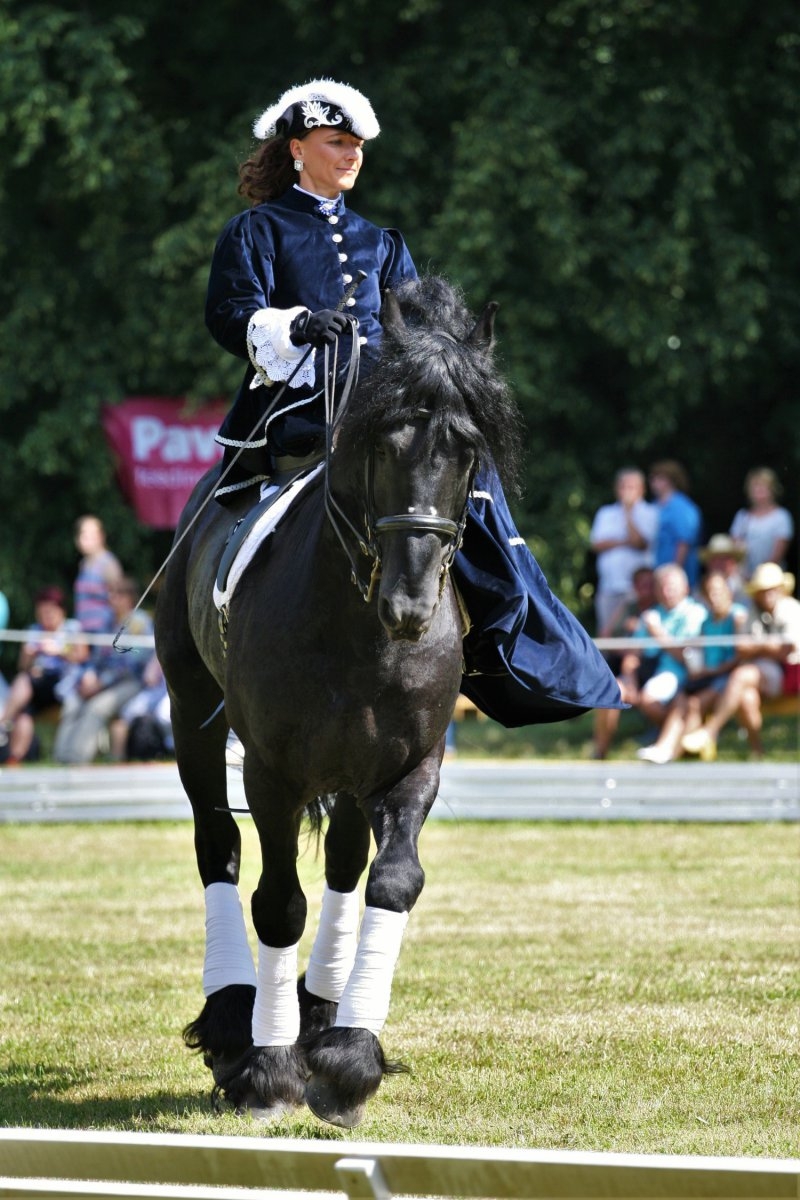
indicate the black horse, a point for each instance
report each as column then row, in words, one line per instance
column 336, row 691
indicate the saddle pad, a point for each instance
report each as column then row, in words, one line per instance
column 259, row 530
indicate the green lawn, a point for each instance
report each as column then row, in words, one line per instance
column 573, row 739
column 612, row 987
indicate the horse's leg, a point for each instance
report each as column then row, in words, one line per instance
column 222, row 1030
column 269, row 1078
column 347, row 1061
column 334, row 950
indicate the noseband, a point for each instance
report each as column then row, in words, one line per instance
column 452, row 532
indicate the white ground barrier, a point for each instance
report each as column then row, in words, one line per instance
column 69, row 1163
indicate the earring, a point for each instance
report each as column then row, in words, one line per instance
column 298, row 164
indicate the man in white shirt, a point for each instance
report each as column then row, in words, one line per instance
column 621, row 536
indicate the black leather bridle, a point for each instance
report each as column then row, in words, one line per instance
column 368, row 542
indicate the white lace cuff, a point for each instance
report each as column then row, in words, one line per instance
column 272, row 354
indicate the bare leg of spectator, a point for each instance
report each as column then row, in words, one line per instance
column 667, row 746
column 81, row 728
column 752, row 719
column 742, row 680
column 21, row 738
column 606, row 720
column 19, row 696
column 606, row 723
column 118, row 739
column 694, row 714
column 653, row 710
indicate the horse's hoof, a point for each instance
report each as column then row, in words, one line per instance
column 324, row 1102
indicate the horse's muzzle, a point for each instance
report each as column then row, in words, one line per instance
column 405, row 621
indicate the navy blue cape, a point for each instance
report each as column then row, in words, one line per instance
column 528, row 660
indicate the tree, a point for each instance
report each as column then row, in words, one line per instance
column 619, row 175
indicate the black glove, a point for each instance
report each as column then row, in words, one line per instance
column 317, row 329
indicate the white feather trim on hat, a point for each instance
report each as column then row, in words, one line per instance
column 353, row 104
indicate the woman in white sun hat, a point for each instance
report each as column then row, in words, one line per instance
column 770, row 662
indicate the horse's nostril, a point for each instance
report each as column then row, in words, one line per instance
column 401, row 622
column 390, row 615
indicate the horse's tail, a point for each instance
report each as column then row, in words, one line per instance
column 317, row 813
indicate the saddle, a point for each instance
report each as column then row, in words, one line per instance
column 290, row 471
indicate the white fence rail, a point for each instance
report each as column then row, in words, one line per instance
column 484, row 790
column 126, row 640
column 69, row 1163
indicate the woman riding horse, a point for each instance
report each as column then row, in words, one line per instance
column 331, row 695
column 279, row 277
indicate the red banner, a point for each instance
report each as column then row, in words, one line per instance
column 161, row 447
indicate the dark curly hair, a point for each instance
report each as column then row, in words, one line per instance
column 268, row 172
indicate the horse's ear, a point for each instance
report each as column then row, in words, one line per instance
column 391, row 316
column 482, row 335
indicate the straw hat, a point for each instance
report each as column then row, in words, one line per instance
column 721, row 543
column 770, row 575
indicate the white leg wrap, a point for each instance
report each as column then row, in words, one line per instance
column 228, row 959
column 276, row 1014
column 335, row 945
column 365, row 1002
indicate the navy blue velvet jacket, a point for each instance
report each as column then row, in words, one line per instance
column 528, row 659
column 287, row 253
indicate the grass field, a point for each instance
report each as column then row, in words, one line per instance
column 573, row 739
column 608, row 987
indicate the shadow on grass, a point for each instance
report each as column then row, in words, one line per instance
column 39, row 1097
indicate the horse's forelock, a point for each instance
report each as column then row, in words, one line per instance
column 430, row 364
column 432, row 303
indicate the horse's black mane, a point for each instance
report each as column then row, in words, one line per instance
column 431, row 364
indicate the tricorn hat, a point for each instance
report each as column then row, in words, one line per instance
column 770, row 575
column 318, row 103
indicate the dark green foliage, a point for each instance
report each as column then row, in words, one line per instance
column 621, row 176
